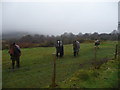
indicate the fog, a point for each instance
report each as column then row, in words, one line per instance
column 57, row 18
column 119, row 16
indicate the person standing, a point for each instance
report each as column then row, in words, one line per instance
column 15, row 54
column 76, row 47
column 97, row 43
column 59, row 48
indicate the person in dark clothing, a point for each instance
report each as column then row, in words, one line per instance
column 97, row 43
column 59, row 48
column 76, row 47
column 15, row 54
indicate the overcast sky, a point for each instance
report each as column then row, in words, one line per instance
column 119, row 11
column 56, row 18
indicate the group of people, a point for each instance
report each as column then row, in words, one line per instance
column 15, row 51
column 60, row 49
column 76, row 47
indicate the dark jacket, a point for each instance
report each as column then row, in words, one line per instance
column 17, row 51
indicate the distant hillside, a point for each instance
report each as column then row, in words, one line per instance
column 11, row 35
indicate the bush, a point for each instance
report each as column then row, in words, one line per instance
column 26, row 45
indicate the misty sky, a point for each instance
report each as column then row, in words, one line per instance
column 119, row 11
column 57, row 18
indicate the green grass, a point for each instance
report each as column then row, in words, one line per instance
column 36, row 64
column 105, row 77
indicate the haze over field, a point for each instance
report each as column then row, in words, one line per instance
column 56, row 18
column 119, row 16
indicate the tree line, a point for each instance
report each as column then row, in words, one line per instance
column 37, row 40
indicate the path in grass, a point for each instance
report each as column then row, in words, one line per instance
column 36, row 64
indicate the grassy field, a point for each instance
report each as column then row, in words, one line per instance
column 36, row 65
column 104, row 77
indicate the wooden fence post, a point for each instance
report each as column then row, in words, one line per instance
column 95, row 57
column 95, row 54
column 116, row 51
column 54, row 71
